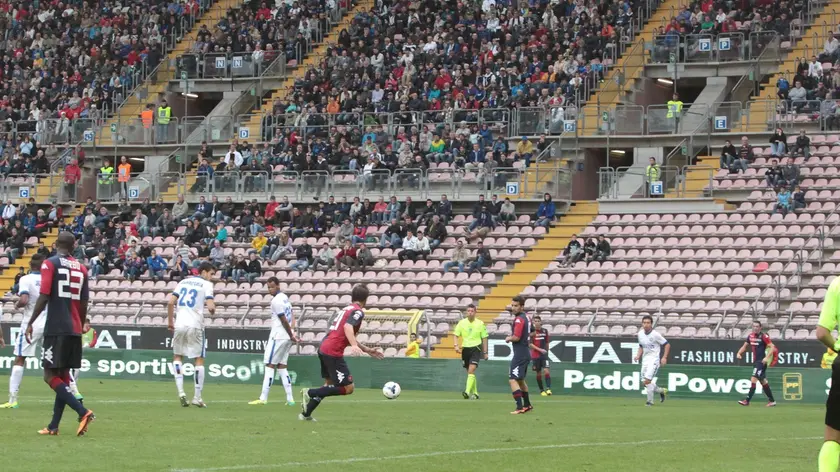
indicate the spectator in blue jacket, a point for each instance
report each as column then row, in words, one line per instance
column 157, row 266
column 483, row 224
column 783, row 202
column 202, row 209
column 546, row 212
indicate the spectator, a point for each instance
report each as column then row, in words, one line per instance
column 653, row 173
column 254, row 269
column 798, row 97
column 98, row 265
column 545, row 212
column 778, row 143
column 134, row 268
column 179, row 269
column 378, row 216
column 436, row 232
column 802, row 144
column 482, row 259
column 221, row 233
column 165, row 224
column 773, row 175
column 345, row 233
column 157, row 266
column 240, row 267
column 507, row 212
column 284, row 247
column 444, row 209
column 783, row 203
column 392, row 210
column 359, row 232
column 602, row 250
column 460, row 256
column 202, row 209
column 72, row 176
column 411, row 247
column 745, row 156
column 16, row 285
column 573, row 252
column 303, row 257
column 485, row 224
column 392, row 237
column 728, row 155
column 180, row 209
column 141, row 221
column 364, row 258
column 217, row 254
column 303, row 224
column 347, row 256
column 790, row 173
column 424, row 249
column 799, row 199
column 258, row 243
column 325, row 258
column 525, row 150
column 589, row 249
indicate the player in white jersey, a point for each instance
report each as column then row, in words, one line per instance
column 29, row 288
column 280, row 342
column 650, row 344
column 191, row 296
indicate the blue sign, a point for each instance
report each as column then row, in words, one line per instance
column 237, row 62
column 23, row 192
column 656, row 188
column 87, row 136
column 705, row 45
column 569, row 126
column 220, row 63
column 724, row 44
column 512, row 188
column 721, row 123
column 133, row 192
column 244, row 133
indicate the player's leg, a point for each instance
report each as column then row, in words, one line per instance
column 339, row 374
column 753, row 382
column 472, row 382
column 465, row 360
column 829, row 458
column 199, row 383
column 61, row 353
column 547, row 377
column 282, row 369
column 648, row 372
column 178, row 373
column 74, row 384
column 268, row 376
column 517, row 374
column 765, row 385
column 526, row 398
column 538, row 372
column 15, row 379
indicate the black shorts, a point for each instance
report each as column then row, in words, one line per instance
column 832, row 405
column 540, row 363
column 760, row 371
column 519, row 367
column 335, row 369
column 62, row 352
column 471, row 355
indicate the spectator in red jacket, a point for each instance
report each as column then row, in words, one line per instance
column 72, row 176
column 346, row 256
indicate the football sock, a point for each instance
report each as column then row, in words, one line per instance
column 829, row 457
column 287, row 384
column 470, row 383
column 74, row 389
column 14, row 382
column 178, row 370
column 526, row 399
column 328, row 391
column 768, row 392
column 267, row 381
column 656, row 388
column 62, row 391
column 752, row 392
column 517, row 396
column 199, row 380
column 649, row 387
column 310, row 407
column 548, row 381
column 58, row 411
column 540, row 382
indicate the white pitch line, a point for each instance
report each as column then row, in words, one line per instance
column 93, row 401
column 424, row 455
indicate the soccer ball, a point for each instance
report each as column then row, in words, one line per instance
column 391, row 390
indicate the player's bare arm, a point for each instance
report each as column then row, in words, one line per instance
column 170, row 311
column 210, row 304
column 2, row 341
column 742, row 350
column 288, row 329
column 768, row 357
column 512, row 339
column 665, row 354
column 455, row 340
column 22, row 301
column 484, row 348
column 42, row 302
column 638, row 354
column 824, row 336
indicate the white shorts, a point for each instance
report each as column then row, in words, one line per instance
column 33, row 349
column 277, row 351
column 649, row 369
column 188, row 342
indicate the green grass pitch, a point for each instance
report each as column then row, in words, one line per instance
column 140, row 426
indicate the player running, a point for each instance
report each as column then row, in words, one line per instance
column 829, row 458
column 650, row 343
column 539, row 355
column 192, row 295
column 279, row 343
column 30, row 285
column 64, row 293
column 472, row 335
column 334, row 370
column 764, row 356
column 521, row 356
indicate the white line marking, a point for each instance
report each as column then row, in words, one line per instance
column 492, row 450
column 94, row 401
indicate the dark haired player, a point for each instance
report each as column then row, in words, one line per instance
column 829, row 458
column 764, row 355
column 334, row 370
column 521, row 355
column 473, row 338
column 539, row 355
column 64, row 292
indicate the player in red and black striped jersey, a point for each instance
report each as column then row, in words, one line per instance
column 520, row 342
column 64, row 291
column 539, row 355
column 764, row 355
column 334, row 370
